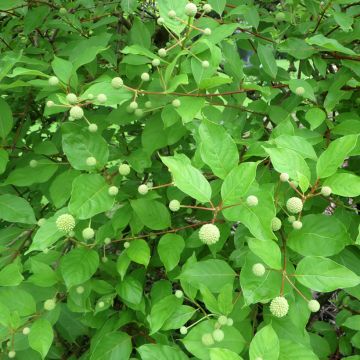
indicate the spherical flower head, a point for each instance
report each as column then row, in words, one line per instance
column 258, row 269
column 326, row 191
column 101, row 98
column 160, row 21
column 162, row 52
column 88, row 233
column 275, row 224
column 65, row 222
column 207, row 8
column 100, row 304
column 222, row 320
column 33, row 163
column 62, row 11
column 11, row 354
column 50, row 103
column 124, row 169
column 143, row 189
column 176, row 103
column 207, row 31
column 76, row 112
column 280, row 16
column 145, row 76
column 26, row 330
column 172, row 14
column 148, row 104
column 113, row 190
column 117, row 82
column 174, row 205
column 133, row 105
column 104, row 259
column 209, row 234
column 294, row 205
column 297, row 225
column 49, row 304
column 126, row 244
column 183, row 330
column 291, row 219
column 107, row 241
column 91, row 161
column 218, row 335
column 90, row 96
column 155, row 62
column 207, row 339
column 284, row 177
column 190, row 9
column 93, row 128
column 80, row 290
column 179, row 294
column 300, row 91
column 205, row 64
column 314, row 305
column 252, row 200
column 139, row 113
column 41, row 222
column 279, row 306
column 230, row 322
column 53, row 81
column 71, row 98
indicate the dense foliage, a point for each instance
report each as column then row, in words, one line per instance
column 179, row 180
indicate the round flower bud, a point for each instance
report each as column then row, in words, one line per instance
column 172, row 14
column 258, row 269
column 207, row 8
column 275, row 224
column 62, row 11
column 314, row 305
column 160, row 21
column 80, row 290
column 126, row 244
column 176, row 103
column 155, row 62
column 205, row 64
column 179, row 294
column 209, row 234
column 230, row 322
column 291, row 219
column 145, row 76
column 139, row 113
column 101, row 304
column 26, row 330
column 190, row 9
column 279, row 306
column 49, row 304
column 101, row 98
column 76, row 112
column 107, row 241
column 33, row 163
column 46, row 251
column 117, row 82
column 11, row 354
column 222, row 320
column 53, row 81
column 297, row 225
column 50, row 103
column 252, row 200
column 113, row 190
column 280, row 16
column 218, row 335
column 93, row 128
column 90, row 161
column 294, row 205
column 65, row 222
column 300, row 91
column 174, row 205
column 207, row 31
column 326, row 191
column 134, row 105
column 284, row 177
column 88, row 233
column 124, row 169
column 41, row 222
column 207, row 340
column 90, row 96
column 143, row 189
column 104, row 259
column 183, row 330
column 162, row 52
column 148, row 104
column 71, row 98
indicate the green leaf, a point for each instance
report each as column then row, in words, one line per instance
column 139, row 252
column 160, row 352
column 4, row 159
column 333, row 157
column 10, row 275
column 217, row 148
column 297, row 48
column 18, row 300
column 170, row 248
column 63, row 69
column 181, row 316
column 78, row 266
column 153, row 214
column 130, row 290
column 218, row 5
column 290, row 350
column 225, row 299
column 297, row 144
column 315, row 117
column 223, row 354
column 89, row 196
column 178, row 6
column 189, row 108
column 6, row 119
column 352, row 322
column 41, row 336
column 129, row 5
column 329, row 44
column 344, row 184
column 267, row 59
column 321, row 274
column 213, row 274
column 187, row 178
column 16, row 209
column 265, row 344
column 268, row 251
column 309, row 91
column 111, row 346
